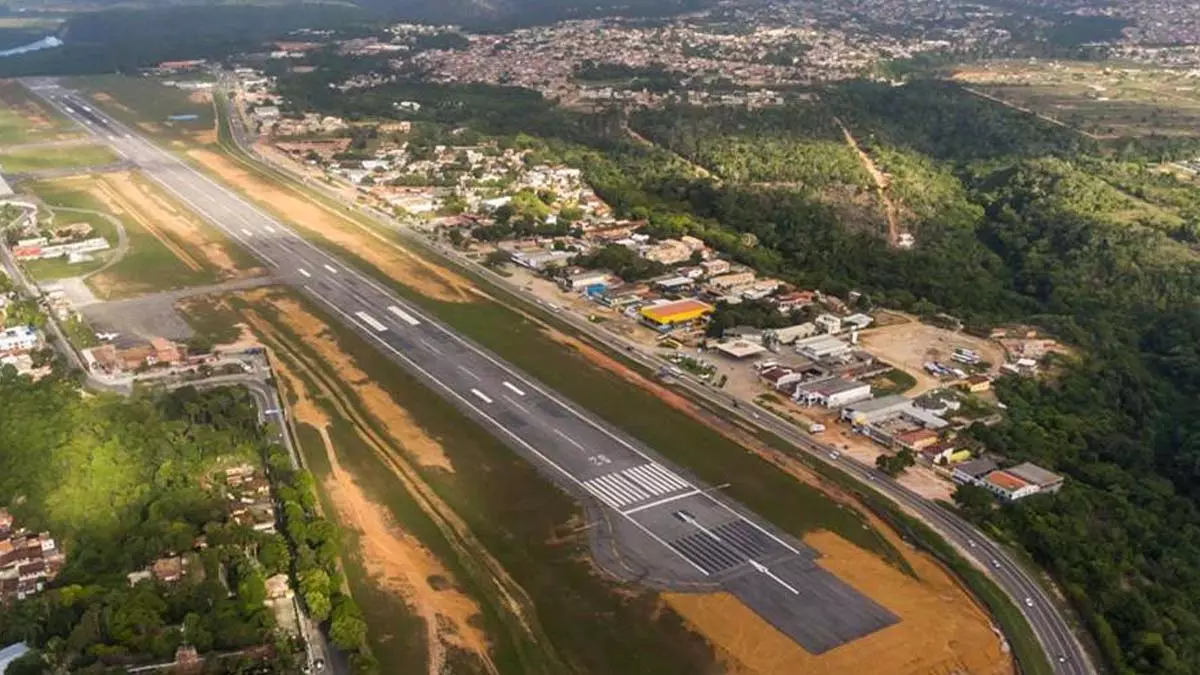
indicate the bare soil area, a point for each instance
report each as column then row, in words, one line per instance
column 941, row 629
column 395, row 560
column 909, row 345
column 387, row 255
column 182, row 225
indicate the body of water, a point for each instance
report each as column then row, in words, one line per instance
column 48, row 42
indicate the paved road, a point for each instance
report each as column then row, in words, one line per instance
column 671, row 527
column 1048, row 621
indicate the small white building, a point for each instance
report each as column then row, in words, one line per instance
column 821, row 347
column 787, row 336
column 19, row 338
column 829, row 323
column 834, row 392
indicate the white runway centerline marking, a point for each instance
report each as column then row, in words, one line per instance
column 303, row 272
column 570, row 440
column 331, row 268
column 247, row 232
column 270, row 229
column 468, row 372
column 513, row 388
column 482, row 396
column 429, row 346
column 404, row 316
column 371, row 321
column 514, row 404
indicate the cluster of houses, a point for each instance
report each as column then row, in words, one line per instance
column 108, row 360
column 251, row 505
column 27, row 560
column 249, row 495
column 70, row 241
column 17, row 344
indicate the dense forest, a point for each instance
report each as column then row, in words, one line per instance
column 1017, row 221
column 122, row 482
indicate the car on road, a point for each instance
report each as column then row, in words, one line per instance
column 1029, row 602
column 1062, row 659
column 834, row 455
column 971, row 543
column 996, row 563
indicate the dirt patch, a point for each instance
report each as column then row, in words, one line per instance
column 393, row 259
column 910, row 345
column 394, row 560
column 182, row 225
column 941, row 629
column 400, row 426
column 201, row 97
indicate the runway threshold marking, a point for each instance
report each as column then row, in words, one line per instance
column 303, row 272
column 660, row 502
column 404, row 316
column 482, row 396
column 513, row 388
column 371, row 321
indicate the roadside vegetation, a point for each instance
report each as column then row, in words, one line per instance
column 121, row 483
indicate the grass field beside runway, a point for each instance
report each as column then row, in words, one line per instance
column 556, row 609
column 30, row 159
column 25, row 119
column 152, row 262
column 144, row 103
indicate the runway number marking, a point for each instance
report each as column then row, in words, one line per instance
column 513, row 388
column 404, row 316
column 482, row 396
column 371, row 321
column 599, row 460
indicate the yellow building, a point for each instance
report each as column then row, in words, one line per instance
column 671, row 314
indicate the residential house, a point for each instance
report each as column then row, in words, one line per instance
column 727, row 282
column 829, row 323
column 716, row 267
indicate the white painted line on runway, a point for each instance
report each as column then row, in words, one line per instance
column 303, row 272
column 482, row 396
column 666, row 476
column 429, row 346
column 516, row 405
column 570, row 440
column 639, row 475
column 664, row 500
column 331, row 268
column 610, row 495
column 371, row 321
column 511, row 387
column 268, row 228
column 404, row 316
column 247, row 232
column 618, row 492
column 468, row 372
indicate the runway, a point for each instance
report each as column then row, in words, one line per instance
column 677, row 529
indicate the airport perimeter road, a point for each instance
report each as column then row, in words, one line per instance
column 668, row 527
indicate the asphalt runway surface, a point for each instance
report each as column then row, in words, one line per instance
column 672, row 527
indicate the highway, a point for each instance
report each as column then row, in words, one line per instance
column 671, row 530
